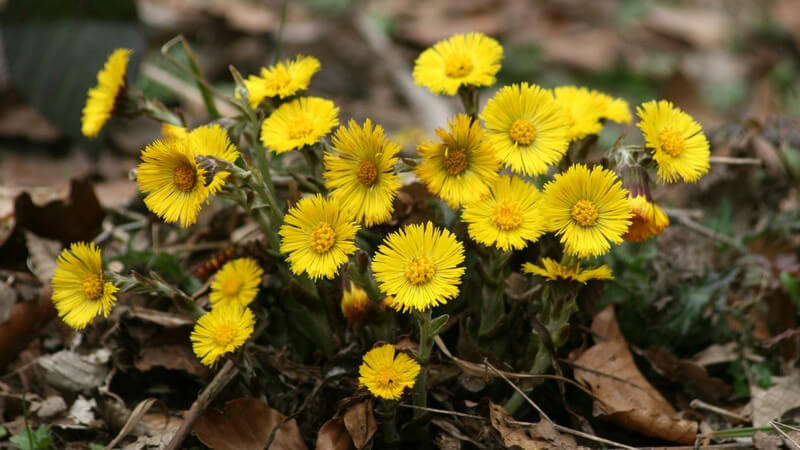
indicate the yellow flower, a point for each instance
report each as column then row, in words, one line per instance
column 300, row 122
column 80, row 290
column 354, row 303
column 318, row 236
column 679, row 146
column 360, row 172
column 175, row 185
column 418, row 265
column 553, row 271
column 173, row 131
column 460, row 168
column 508, row 218
column 580, row 110
column 470, row 59
column 526, row 128
column 102, row 98
column 236, row 282
column 284, row 79
column 648, row 220
column 613, row 109
column 588, row 209
column 387, row 375
column 221, row 331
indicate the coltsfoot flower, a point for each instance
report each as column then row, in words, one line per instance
column 526, row 128
column 300, row 122
column 387, row 375
column 236, row 282
column 284, row 79
column 648, row 220
column 580, row 110
column 80, row 290
column 553, row 270
column 354, row 303
column 587, row 208
column 102, row 98
column 508, row 217
column 679, row 146
column 419, row 266
column 221, row 331
column 360, row 171
column 461, row 167
column 471, row 59
column 318, row 236
column 611, row 108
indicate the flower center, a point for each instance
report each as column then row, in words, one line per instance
column 387, row 376
column 585, row 213
column 224, row 334
column 420, row 270
column 367, row 173
column 231, row 287
column 92, row 286
column 523, row 132
column 455, row 161
column 458, row 65
column 184, row 177
column 507, row 216
column 322, row 238
column 279, row 78
column 300, row 128
column 671, row 142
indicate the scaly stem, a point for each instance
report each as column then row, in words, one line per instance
column 386, row 413
column 540, row 364
column 420, row 395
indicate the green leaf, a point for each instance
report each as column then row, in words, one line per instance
column 54, row 49
column 39, row 439
column 792, row 286
column 438, row 323
column 3, row 432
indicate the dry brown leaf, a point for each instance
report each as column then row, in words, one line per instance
column 593, row 50
column 334, row 436
column 703, row 28
column 770, row 404
column 626, row 397
column 540, row 435
column 42, row 256
column 247, row 424
column 690, row 374
column 360, row 423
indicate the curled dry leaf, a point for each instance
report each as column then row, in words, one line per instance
column 540, row 435
column 247, row 423
column 334, row 436
column 360, row 423
column 625, row 396
column 73, row 372
column 771, row 404
column 691, row 375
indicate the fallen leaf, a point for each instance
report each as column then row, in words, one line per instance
column 334, row 436
column 24, row 321
column 72, row 372
column 247, row 424
column 701, row 27
column 82, row 410
column 691, row 375
column 770, row 404
column 593, row 50
column 360, row 423
column 624, row 396
column 453, row 431
column 718, row 354
column 42, row 256
column 170, row 349
column 50, row 407
column 8, row 297
column 535, row 437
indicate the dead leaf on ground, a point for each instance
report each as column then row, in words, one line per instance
column 247, row 424
column 701, row 27
column 360, row 423
column 334, row 436
column 170, row 349
column 73, row 372
column 24, row 321
column 540, row 435
column 42, row 256
column 770, row 404
column 691, row 375
column 592, row 50
column 626, row 397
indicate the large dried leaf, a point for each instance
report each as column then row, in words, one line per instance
column 73, row 372
column 626, row 397
column 770, row 404
column 540, row 435
column 334, row 436
column 691, row 375
column 247, row 424
column 360, row 423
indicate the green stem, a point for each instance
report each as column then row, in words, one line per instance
column 386, row 413
column 208, row 99
column 420, row 395
column 540, row 364
column 279, row 44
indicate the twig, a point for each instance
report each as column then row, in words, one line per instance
column 442, row 411
column 547, row 418
column 735, row 161
column 699, row 404
column 777, row 426
column 689, row 223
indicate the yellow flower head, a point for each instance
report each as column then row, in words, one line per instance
column 173, row 131
column 387, row 375
column 679, row 146
column 102, row 98
column 460, row 168
column 221, row 331
column 318, row 236
column 587, row 208
column 175, row 185
column 470, row 59
column 508, row 217
column 236, row 282
column 360, row 171
column 354, row 303
column 613, row 109
column 648, row 220
column 419, row 266
column 284, row 79
column 526, row 128
column 580, row 110
column 80, row 290
column 300, row 122
column 553, row 271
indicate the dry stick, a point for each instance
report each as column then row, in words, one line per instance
column 443, row 411
column 735, row 161
column 699, row 404
column 547, row 418
column 704, row 230
column 775, row 424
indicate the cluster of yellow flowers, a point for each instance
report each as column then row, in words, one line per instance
column 483, row 164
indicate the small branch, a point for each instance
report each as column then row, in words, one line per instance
column 690, row 223
column 699, row 404
column 735, row 161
